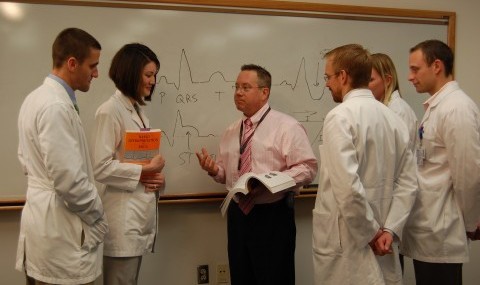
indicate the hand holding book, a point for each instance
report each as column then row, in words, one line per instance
column 273, row 181
column 247, row 202
column 155, row 165
column 153, row 182
column 143, row 147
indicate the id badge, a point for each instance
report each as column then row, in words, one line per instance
column 420, row 155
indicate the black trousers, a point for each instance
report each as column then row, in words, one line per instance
column 261, row 245
column 427, row 273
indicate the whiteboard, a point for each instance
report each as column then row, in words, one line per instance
column 200, row 54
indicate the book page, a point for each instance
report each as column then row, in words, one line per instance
column 276, row 181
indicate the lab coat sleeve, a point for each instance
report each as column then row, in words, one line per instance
column 410, row 120
column 108, row 138
column 462, row 140
column 404, row 192
column 64, row 162
column 348, row 191
column 22, row 160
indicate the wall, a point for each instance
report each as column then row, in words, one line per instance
column 194, row 234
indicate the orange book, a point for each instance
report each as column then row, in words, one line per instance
column 141, row 146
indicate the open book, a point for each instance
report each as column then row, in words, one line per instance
column 141, row 146
column 274, row 181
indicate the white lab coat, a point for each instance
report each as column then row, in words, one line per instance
column 404, row 111
column 62, row 202
column 132, row 213
column 448, row 202
column 367, row 181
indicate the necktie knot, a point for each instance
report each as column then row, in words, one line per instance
column 248, row 124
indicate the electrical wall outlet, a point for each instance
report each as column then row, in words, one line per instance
column 202, row 274
column 223, row 274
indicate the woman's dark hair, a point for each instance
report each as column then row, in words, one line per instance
column 127, row 67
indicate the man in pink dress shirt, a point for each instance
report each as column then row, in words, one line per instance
column 261, row 242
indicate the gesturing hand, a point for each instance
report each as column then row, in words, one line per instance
column 206, row 162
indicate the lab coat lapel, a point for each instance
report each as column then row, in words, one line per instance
column 442, row 94
column 133, row 113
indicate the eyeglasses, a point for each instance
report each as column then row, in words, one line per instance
column 245, row 88
column 327, row 77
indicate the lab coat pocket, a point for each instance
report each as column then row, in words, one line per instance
column 140, row 216
column 94, row 235
column 326, row 233
column 434, row 201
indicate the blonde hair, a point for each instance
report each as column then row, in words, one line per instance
column 383, row 64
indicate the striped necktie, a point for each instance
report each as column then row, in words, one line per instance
column 246, row 203
column 246, row 156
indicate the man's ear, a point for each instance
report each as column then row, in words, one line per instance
column 266, row 93
column 438, row 66
column 72, row 63
column 343, row 75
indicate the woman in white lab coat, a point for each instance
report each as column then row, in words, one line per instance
column 385, row 88
column 130, row 190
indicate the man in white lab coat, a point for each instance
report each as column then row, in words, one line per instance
column 63, row 223
column 367, row 182
column 448, row 156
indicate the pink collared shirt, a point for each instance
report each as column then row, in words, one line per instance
column 279, row 143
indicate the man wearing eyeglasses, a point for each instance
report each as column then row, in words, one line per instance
column 261, row 225
column 367, row 183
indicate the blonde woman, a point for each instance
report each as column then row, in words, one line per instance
column 385, row 88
